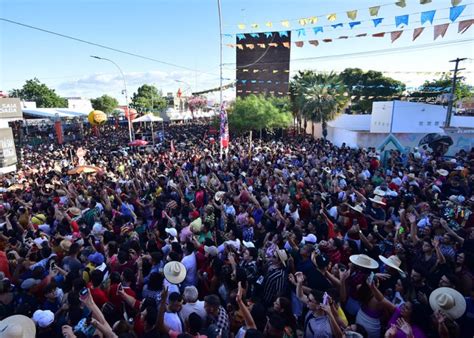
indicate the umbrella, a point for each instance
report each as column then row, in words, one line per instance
column 87, row 169
column 148, row 118
column 138, row 143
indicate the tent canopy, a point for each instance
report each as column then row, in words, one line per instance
column 51, row 112
column 148, row 118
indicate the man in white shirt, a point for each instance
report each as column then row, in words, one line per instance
column 189, row 261
column 192, row 304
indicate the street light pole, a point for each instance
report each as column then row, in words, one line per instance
column 220, row 64
column 124, row 92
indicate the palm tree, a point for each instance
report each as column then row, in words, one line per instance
column 322, row 97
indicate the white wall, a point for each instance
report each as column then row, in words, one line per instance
column 462, row 121
column 339, row 136
column 413, row 117
column 80, row 105
column 351, row 122
column 381, row 117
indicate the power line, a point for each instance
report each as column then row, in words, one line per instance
column 104, row 46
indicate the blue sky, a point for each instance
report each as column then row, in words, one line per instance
column 186, row 33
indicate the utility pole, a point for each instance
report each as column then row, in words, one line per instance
column 453, row 89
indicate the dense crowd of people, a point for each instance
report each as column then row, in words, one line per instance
column 290, row 237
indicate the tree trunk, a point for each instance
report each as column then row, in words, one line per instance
column 312, row 128
column 324, row 126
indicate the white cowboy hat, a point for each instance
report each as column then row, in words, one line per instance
column 392, row 261
column 378, row 199
column 448, row 301
column 357, row 208
column 219, row 195
column 364, row 261
column 442, row 172
column 327, row 170
column 175, row 272
column 380, row 192
column 17, row 326
column 282, row 256
column 341, row 175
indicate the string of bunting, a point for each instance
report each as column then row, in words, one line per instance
column 399, row 20
column 331, row 17
column 438, row 30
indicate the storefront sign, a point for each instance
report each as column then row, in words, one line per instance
column 10, row 108
column 7, row 148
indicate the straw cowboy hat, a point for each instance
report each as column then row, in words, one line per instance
column 74, row 211
column 357, row 208
column 442, row 172
column 378, row 199
column 392, row 261
column 175, row 272
column 448, row 301
column 282, row 256
column 17, row 326
column 65, row 244
column 219, row 195
column 364, row 261
column 380, row 192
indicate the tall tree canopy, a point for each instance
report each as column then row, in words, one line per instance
column 105, row 103
column 367, row 87
column 148, row 98
column 430, row 90
column 45, row 97
column 258, row 112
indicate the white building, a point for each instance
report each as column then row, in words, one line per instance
column 408, row 121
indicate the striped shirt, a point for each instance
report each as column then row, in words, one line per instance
column 274, row 284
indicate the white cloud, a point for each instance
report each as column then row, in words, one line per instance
column 95, row 85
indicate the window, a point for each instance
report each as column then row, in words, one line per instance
column 436, row 123
column 420, row 123
column 428, row 123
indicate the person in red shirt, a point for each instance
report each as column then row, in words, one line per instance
column 100, row 296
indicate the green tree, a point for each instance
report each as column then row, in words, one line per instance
column 367, row 87
column 45, row 97
column 257, row 112
column 323, row 99
column 149, row 98
column 105, row 103
column 430, row 90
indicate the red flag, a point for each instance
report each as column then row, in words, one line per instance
column 179, row 92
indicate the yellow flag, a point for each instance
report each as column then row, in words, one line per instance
column 332, row 17
column 245, row 70
column 455, row 2
column 352, row 14
column 261, row 45
column 285, row 23
column 374, row 11
column 424, row 2
column 255, row 25
column 273, row 44
column 286, row 44
column 401, row 3
column 269, row 24
column 313, row 20
column 241, row 26
column 303, row 21
column 250, row 46
column 275, row 71
column 239, row 46
column 255, row 70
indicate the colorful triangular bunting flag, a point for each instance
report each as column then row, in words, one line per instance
column 340, row 24
column 240, row 36
column 395, row 35
column 354, row 23
column 283, row 34
column 317, row 30
column 254, row 25
column 285, row 23
column 379, row 35
column 424, row 2
column 440, row 30
column 286, row 44
column 417, row 32
column 377, row 21
column 268, row 34
column 401, row 3
column 374, row 11
column 464, row 25
column 401, row 20
column 313, row 20
column 332, row 17
column 455, row 12
column 303, row 21
column 327, row 40
column 299, row 44
column 241, row 26
column 427, row 16
column 352, row 14
column 455, row 2
column 301, row 32
column 315, row 43
column 269, row 24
